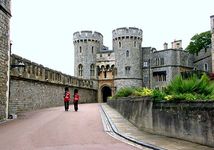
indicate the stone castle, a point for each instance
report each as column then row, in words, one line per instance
column 98, row 70
column 129, row 64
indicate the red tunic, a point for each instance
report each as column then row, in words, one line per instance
column 76, row 97
column 67, row 97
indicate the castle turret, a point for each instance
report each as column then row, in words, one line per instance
column 212, row 40
column 128, row 56
column 86, row 45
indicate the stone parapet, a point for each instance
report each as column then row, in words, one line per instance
column 87, row 36
column 130, row 32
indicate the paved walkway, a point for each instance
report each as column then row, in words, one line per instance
column 87, row 129
column 128, row 130
column 55, row 129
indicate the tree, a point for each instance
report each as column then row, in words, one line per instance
column 199, row 41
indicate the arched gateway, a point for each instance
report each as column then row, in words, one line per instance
column 106, row 92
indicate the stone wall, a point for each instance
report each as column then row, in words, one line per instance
column 36, row 86
column 191, row 121
column 4, row 52
column 26, row 94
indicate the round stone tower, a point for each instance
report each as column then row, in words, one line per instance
column 212, row 40
column 128, row 57
column 86, row 45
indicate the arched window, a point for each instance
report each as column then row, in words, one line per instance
column 127, row 53
column 127, row 70
column 80, row 69
column 105, row 74
column 120, row 44
column 206, row 67
column 92, row 70
column 135, row 44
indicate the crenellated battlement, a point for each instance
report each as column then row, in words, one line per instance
column 87, row 36
column 37, row 72
column 131, row 32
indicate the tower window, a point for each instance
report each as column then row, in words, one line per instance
column 135, row 44
column 120, row 44
column 80, row 49
column 127, row 70
column 92, row 70
column 127, row 53
column 92, row 49
column 206, row 67
column 105, row 74
column 80, row 69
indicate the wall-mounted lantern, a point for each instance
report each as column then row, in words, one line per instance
column 20, row 67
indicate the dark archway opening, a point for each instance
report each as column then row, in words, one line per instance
column 106, row 92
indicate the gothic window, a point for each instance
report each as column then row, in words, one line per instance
column 206, row 67
column 80, row 69
column 92, row 70
column 127, row 53
column 127, row 70
column 80, row 49
column 120, row 44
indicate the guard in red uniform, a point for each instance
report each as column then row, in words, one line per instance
column 66, row 98
column 76, row 99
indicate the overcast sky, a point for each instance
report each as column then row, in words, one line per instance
column 42, row 30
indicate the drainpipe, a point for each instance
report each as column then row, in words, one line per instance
column 8, row 83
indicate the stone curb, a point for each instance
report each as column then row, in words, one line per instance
column 115, row 130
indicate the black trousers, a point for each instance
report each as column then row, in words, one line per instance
column 75, row 105
column 66, row 105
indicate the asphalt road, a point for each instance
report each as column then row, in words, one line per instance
column 55, row 129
